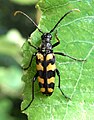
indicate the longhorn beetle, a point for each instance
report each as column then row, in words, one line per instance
column 45, row 60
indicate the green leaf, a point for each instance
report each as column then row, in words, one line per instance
column 25, row 2
column 10, row 44
column 10, row 72
column 10, row 81
column 5, row 107
column 77, row 80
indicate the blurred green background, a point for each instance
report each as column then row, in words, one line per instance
column 13, row 32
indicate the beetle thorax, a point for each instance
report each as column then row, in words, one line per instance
column 46, row 42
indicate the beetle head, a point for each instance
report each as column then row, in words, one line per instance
column 46, row 37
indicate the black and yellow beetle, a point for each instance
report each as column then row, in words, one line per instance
column 45, row 61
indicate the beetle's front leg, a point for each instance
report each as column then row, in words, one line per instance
column 33, row 46
column 58, row 41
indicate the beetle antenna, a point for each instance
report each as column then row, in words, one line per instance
column 63, row 18
column 20, row 12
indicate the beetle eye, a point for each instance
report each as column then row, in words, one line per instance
column 46, row 36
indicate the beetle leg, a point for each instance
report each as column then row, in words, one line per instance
column 58, row 41
column 58, row 74
column 32, row 45
column 63, row 54
column 30, row 62
column 33, row 81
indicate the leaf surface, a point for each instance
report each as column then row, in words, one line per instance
column 77, row 80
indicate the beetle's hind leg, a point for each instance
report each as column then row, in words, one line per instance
column 58, row 74
column 33, row 81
